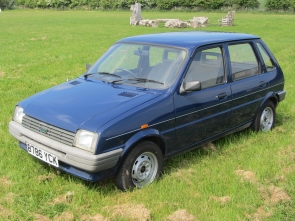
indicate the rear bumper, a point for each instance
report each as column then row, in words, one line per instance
column 72, row 160
column 281, row 95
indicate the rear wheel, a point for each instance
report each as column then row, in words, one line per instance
column 265, row 119
column 140, row 167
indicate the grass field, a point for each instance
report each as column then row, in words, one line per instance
column 245, row 176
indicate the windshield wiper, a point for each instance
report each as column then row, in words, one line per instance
column 144, row 80
column 107, row 73
column 86, row 75
column 114, row 82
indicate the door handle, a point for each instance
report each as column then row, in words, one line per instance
column 262, row 84
column 221, row 96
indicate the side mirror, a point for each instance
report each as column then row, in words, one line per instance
column 190, row 86
column 88, row 66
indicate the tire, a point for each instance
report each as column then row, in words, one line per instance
column 142, row 165
column 265, row 119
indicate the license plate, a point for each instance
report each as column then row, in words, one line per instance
column 42, row 155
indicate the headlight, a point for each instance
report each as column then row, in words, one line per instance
column 18, row 114
column 86, row 140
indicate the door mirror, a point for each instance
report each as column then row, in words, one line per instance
column 190, row 86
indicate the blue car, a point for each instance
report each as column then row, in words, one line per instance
column 148, row 98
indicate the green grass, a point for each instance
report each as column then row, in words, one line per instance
column 245, row 176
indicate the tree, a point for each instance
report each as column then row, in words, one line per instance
column 6, row 4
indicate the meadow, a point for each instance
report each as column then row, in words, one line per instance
column 245, row 176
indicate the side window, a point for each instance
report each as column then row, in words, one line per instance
column 207, row 67
column 243, row 61
column 267, row 61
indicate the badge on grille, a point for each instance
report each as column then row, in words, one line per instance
column 42, row 130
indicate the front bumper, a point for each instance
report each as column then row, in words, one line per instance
column 73, row 160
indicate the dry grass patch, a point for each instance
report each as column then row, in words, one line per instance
column 209, row 147
column 181, row 215
column 289, row 152
column 65, row 198
column 2, row 74
column 271, row 194
column 132, row 212
column 44, row 178
column 222, row 200
column 290, row 169
column 248, row 176
column 4, row 213
column 14, row 76
column 281, row 129
column 9, row 197
column 65, row 216
column 97, row 217
column 39, row 217
column 185, row 175
column 274, row 195
column 260, row 214
column 36, row 39
column 279, row 178
column 5, row 182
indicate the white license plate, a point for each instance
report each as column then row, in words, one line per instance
column 42, row 155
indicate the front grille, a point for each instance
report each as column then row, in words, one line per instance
column 48, row 130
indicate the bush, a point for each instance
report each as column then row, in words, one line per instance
column 279, row 4
column 92, row 3
column 247, row 3
column 31, row 3
column 210, row 4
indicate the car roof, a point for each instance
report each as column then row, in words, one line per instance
column 188, row 39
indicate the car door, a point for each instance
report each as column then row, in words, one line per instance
column 203, row 113
column 248, row 83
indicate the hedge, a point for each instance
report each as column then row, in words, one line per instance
column 146, row 4
column 150, row 4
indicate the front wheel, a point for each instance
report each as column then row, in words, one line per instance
column 265, row 119
column 140, row 167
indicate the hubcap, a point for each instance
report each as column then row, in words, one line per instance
column 144, row 169
column 266, row 119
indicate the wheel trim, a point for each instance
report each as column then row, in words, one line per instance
column 266, row 119
column 144, row 169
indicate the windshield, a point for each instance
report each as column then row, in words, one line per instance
column 140, row 65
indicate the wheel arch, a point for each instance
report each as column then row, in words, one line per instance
column 149, row 134
column 271, row 96
column 274, row 99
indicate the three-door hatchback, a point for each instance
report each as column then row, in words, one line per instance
column 149, row 98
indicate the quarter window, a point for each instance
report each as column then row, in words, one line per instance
column 267, row 61
column 207, row 68
column 243, row 61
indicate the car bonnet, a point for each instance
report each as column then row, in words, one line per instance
column 72, row 104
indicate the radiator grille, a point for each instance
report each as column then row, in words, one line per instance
column 48, row 130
